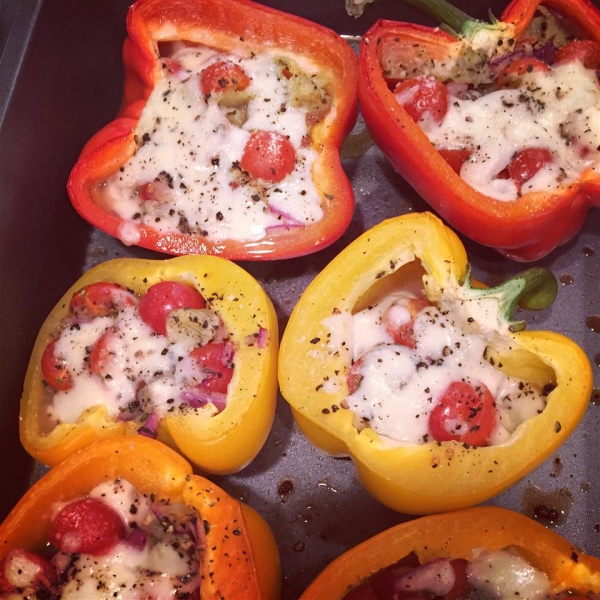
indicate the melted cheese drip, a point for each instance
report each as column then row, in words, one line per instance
column 190, row 138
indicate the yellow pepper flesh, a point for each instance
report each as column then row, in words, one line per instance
column 220, row 444
column 435, row 476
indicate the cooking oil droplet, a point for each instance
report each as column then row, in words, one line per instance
column 550, row 508
column 593, row 323
column 285, row 487
column 566, row 279
column 589, row 251
column 299, row 546
column 586, row 486
column 557, row 467
column 596, row 396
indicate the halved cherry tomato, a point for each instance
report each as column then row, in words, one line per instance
column 22, row 570
column 268, row 155
column 455, row 158
column 423, row 95
column 527, row 163
column 404, row 333
column 354, row 377
column 101, row 353
column 87, row 526
column 586, row 51
column 165, row 296
column 465, row 413
column 55, row 369
column 223, row 76
column 100, row 300
column 510, row 76
column 461, row 587
column 170, row 64
column 217, row 371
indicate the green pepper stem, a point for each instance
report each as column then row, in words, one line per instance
column 452, row 19
column 533, row 289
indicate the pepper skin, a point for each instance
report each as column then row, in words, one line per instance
column 524, row 230
column 233, row 566
column 221, row 444
column 456, row 535
column 434, row 476
column 227, row 25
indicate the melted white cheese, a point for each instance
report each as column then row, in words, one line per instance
column 400, row 386
column 191, row 139
column 550, row 105
column 137, row 356
column 507, row 576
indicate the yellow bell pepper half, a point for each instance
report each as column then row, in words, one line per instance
column 434, row 476
column 219, row 444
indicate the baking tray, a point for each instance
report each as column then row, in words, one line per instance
column 61, row 80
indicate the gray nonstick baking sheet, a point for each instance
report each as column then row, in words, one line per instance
column 60, row 81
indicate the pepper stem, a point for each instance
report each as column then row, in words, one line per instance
column 533, row 289
column 452, row 19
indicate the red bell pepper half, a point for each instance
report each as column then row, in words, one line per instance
column 227, row 26
column 524, row 229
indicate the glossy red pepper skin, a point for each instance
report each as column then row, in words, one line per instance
column 524, row 230
column 227, row 25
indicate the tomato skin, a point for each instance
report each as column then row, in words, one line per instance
column 527, row 163
column 354, row 377
column 17, row 563
column 510, row 75
column 461, row 586
column 101, row 299
column 430, row 96
column 55, row 369
column 100, row 354
column 269, row 156
column 223, row 76
column 165, row 296
column 404, row 334
column 587, row 51
column 87, row 526
column 472, row 407
column 209, row 360
column 455, row 158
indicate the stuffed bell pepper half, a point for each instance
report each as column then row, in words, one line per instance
column 496, row 126
column 228, row 138
column 440, row 398
column 126, row 518
column 183, row 350
column 482, row 552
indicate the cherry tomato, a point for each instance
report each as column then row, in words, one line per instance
column 455, row 158
column 586, row 51
column 421, row 95
column 210, row 360
column 223, row 76
column 465, row 413
column 165, row 296
column 171, row 65
column 354, row 377
column 101, row 300
column 101, row 353
column 55, row 369
column 527, row 163
column 404, row 334
column 510, row 76
column 23, row 570
column 86, row 526
column 268, row 155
